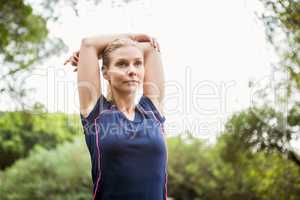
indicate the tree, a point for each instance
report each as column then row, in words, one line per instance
column 25, row 42
column 256, row 174
column 21, row 132
column 282, row 25
column 57, row 174
column 272, row 128
column 264, row 129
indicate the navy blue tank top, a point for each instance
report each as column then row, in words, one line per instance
column 128, row 157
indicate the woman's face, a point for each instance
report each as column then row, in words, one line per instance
column 126, row 69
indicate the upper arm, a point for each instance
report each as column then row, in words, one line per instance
column 153, row 86
column 150, row 105
column 88, row 78
column 158, row 105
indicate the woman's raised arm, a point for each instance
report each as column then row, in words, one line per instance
column 88, row 77
column 154, row 80
column 86, row 61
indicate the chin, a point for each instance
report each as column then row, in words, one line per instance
column 130, row 89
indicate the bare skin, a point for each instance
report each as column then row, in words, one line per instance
column 129, row 63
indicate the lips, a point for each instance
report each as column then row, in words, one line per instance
column 131, row 81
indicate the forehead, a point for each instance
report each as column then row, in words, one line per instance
column 127, row 52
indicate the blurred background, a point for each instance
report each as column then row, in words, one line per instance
column 232, row 105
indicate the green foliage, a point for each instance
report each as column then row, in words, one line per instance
column 282, row 25
column 58, row 174
column 263, row 129
column 263, row 175
column 187, row 163
column 282, row 18
column 197, row 171
column 21, row 132
column 24, row 42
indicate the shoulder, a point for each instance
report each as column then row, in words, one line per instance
column 100, row 106
column 153, row 105
column 157, row 105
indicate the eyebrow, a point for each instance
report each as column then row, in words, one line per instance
column 125, row 60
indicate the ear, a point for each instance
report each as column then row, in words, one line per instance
column 105, row 73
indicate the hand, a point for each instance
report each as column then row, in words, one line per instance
column 146, row 38
column 74, row 59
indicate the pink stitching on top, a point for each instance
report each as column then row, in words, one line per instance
column 98, row 152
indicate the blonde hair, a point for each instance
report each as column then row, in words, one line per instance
column 112, row 46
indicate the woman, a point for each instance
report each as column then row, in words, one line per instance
column 125, row 140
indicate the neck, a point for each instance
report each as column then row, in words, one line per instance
column 125, row 102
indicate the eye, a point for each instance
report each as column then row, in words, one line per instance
column 138, row 63
column 121, row 64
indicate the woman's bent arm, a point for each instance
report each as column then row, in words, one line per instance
column 101, row 41
column 88, row 72
column 154, row 80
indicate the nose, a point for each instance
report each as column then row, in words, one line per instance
column 132, row 70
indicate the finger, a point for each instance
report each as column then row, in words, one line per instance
column 76, row 58
column 147, row 38
column 73, row 60
column 70, row 59
column 74, row 64
column 152, row 42
column 155, row 44
column 66, row 61
column 158, row 46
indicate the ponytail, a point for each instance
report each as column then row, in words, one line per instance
column 110, row 96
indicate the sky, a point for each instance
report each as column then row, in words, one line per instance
column 210, row 51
